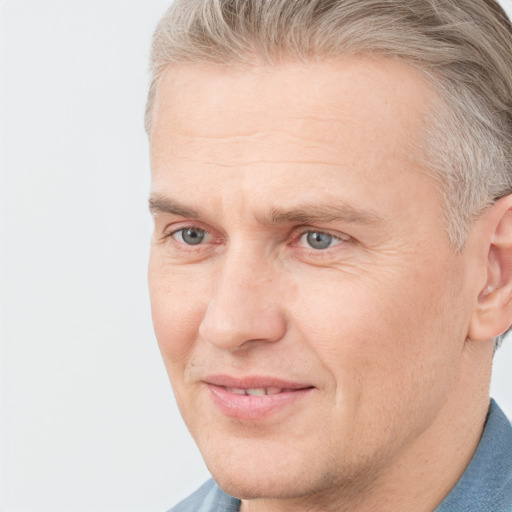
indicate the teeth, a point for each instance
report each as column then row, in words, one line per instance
column 236, row 391
column 273, row 391
column 255, row 391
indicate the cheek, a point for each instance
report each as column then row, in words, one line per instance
column 385, row 346
column 177, row 311
column 382, row 336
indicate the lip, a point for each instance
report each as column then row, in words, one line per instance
column 251, row 407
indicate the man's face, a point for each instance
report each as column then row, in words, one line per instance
column 310, row 311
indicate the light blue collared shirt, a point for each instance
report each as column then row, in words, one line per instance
column 485, row 486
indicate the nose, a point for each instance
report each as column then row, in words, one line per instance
column 245, row 306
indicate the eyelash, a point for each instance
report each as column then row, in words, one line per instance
column 319, row 232
column 295, row 241
column 168, row 237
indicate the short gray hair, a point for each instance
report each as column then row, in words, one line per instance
column 463, row 48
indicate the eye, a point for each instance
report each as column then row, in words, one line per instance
column 318, row 240
column 190, row 236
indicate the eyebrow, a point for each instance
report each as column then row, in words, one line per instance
column 325, row 212
column 302, row 214
column 161, row 204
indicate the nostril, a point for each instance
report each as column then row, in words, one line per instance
column 240, row 309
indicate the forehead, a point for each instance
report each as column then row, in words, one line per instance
column 356, row 121
column 365, row 92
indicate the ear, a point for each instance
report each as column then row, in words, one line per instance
column 493, row 313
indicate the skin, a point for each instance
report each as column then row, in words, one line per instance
column 380, row 324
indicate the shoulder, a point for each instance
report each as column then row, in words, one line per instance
column 208, row 498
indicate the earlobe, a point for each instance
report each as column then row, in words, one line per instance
column 493, row 312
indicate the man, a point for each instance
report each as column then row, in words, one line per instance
column 331, row 267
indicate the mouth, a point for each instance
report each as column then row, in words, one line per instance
column 258, row 391
column 254, row 398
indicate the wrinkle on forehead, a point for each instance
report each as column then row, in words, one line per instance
column 212, row 115
column 273, row 148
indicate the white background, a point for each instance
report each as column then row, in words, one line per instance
column 89, row 423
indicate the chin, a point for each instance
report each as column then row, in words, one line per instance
column 250, row 486
column 247, row 468
column 285, row 469
column 264, row 470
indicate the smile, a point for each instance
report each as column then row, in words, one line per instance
column 257, row 391
column 254, row 398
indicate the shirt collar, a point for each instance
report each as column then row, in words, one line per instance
column 486, row 485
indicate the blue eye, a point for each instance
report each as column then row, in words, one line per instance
column 319, row 241
column 190, row 236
